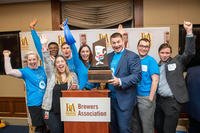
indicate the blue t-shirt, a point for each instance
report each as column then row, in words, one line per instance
column 35, row 80
column 149, row 67
column 113, row 65
column 70, row 63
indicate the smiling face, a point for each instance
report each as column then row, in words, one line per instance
column 164, row 54
column 117, row 42
column 83, row 39
column 143, row 47
column 85, row 54
column 66, row 51
column 60, row 64
column 53, row 49
column 32, row 61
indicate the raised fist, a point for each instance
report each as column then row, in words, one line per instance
column 188, row 27
column 6, row 53
column 33, row 23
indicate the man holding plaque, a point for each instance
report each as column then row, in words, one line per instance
column 126, row 69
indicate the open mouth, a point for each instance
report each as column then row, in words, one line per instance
column 33, row 65
column 85, row 57
column 117, row 48
column 61, row 68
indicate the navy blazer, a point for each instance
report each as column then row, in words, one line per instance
column 193, row 83
column 129, row 71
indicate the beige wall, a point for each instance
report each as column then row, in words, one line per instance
column 11, row 87
column 171, row 13
column 17, row 17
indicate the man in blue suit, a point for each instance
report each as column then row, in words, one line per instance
column 126, row 69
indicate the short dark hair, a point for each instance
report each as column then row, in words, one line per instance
column 144, row 39
column 52, row 43
column 165, row 45
column 116, row 34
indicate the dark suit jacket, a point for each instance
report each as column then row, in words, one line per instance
column 175, row 77
column 193, row 84
column 129, row 71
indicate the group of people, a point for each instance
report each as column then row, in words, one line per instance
column 138, row 80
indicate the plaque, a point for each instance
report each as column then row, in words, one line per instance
column 99, row 71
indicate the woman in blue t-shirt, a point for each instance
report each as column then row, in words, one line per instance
column 35, row 81
column 82, row 60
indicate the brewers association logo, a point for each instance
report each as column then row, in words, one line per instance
column 70, row 109
column 147, row 36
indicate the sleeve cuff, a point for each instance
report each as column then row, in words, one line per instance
column 189, row 35
column 120, row 82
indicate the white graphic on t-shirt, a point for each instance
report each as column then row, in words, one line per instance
column 42, row 85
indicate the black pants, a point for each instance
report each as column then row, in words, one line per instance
column 167, row 114
column 37, row 119
column 194, row 126
column 54, row 122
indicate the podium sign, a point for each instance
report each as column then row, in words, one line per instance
column 77, row 109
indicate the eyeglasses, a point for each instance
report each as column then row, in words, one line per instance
column 142, row 46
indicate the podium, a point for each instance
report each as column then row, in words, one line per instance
column 86, row 126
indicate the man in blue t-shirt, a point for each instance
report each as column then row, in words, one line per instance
column 147, row 87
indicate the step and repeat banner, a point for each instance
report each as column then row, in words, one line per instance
column 157, row 36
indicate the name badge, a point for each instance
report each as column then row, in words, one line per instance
column 144, row 68
column 171, row 67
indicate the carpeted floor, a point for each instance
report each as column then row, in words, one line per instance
column 14, row 129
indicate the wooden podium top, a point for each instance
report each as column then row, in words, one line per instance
column 85, row 93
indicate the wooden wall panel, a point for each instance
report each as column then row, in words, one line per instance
column 13, row 107
column 56, row 14
column 138, row 13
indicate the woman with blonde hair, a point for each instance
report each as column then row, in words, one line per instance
column 35, row 80
column 61, row 79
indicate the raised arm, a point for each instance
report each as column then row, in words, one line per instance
column 72, row 43
column 79, row 66
column 190, row 50
column 48, row 61
column 7, row 65
column 36, row 38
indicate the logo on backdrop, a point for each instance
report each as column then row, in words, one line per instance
column 147, row 36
